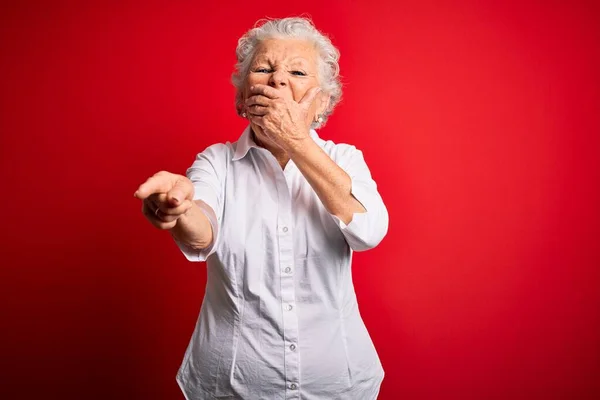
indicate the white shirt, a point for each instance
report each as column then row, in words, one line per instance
column 279, row 319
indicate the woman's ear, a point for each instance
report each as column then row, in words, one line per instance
column 322, row 102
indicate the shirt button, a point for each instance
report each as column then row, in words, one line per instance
column 293, row 386
column 285, row 229
column 289, row 307
column 292, row 347
column 288, row 270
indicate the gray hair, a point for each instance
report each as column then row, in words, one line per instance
column 297, row 28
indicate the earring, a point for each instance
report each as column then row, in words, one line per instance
column 320, row 119
column 244, row 115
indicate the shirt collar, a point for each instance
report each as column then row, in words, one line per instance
column 245, row 143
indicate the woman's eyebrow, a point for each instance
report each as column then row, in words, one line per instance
column 295, row 61
column 261, row 59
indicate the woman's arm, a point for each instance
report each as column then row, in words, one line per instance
column 193, row 228
column 359, row 210
column 344, row 185
column 330, row 182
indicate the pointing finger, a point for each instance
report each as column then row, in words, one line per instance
column 160, row 182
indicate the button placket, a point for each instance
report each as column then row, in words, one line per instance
column 285, row 235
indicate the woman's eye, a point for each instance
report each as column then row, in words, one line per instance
column 298, row 73
column 263, row 70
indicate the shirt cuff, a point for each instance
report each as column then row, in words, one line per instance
column 366, row 229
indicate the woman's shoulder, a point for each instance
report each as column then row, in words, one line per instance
column 217, row 151
column 337, row 151
column 220, row 147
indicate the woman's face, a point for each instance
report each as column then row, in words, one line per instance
column 288, row 65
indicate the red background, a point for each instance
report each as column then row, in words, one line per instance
column 479, row 122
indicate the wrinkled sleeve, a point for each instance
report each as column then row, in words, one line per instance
column 366, row 229
column 207, row 174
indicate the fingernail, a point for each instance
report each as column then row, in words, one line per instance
column 176, row 199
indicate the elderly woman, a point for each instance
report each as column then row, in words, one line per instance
column 277, row 215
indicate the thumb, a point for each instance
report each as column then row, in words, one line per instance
column 182, row 190
column 309, row 96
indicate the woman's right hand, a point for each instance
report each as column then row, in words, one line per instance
column 165, row 197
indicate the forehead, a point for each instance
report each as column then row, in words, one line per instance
column 279, row 50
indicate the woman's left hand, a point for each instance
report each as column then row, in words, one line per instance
column 282, row 119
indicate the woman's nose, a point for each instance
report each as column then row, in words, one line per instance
column 277, row 79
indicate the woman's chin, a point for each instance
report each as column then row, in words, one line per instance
column 259, row 136
column 262, row 140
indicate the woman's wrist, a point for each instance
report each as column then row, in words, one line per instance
column 193, row 227
column 299, row 145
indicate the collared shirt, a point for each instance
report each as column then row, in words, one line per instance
column 279, row 319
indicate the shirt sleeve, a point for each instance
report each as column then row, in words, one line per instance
column 366, row 229
column 207, row 174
